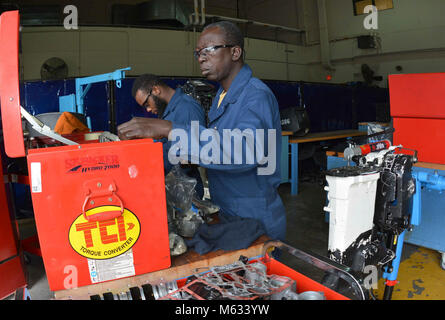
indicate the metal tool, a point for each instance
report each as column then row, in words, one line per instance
column 43, row 129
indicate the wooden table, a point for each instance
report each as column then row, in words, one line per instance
column 426, row 165
column 182, row 266
column 311, row 137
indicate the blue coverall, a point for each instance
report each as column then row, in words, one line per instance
column 237, row 187
column 183, row 109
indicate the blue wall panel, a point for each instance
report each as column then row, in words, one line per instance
column 330, row 107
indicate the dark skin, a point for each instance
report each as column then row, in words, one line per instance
column 163, row 92
column 222, row 66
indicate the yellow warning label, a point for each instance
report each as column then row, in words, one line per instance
column 104, row 239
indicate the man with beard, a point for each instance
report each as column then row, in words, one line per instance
column 170, row 104
column 243, row 103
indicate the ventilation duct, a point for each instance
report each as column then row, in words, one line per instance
column 164, row 13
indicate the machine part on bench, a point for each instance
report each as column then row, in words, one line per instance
column 350, row 171
column 163, row 289
column 202, row 92
column 330, row 267
column 205, row 206
column 394, row 193
column 236, row 281
column 312, row 295
column 107, row 137
column 188, row 223
column 179, row 189
column 110, row 296
column 134, row 293
column 365, row 221
column 363, row 150
column 351, row 195
column 366, row 250
column 125, row 296
column 177, row 244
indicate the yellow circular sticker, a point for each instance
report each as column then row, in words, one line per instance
column 107, row 238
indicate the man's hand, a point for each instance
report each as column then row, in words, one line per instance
column 139, row 128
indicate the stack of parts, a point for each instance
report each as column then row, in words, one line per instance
column 240, row 281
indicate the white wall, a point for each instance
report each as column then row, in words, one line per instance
column 95, row 50
column 412, row 35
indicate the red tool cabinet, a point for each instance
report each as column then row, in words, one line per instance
column 100, row 211
column 418, row 109
column 100, row 208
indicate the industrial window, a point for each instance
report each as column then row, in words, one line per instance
column 360, row 5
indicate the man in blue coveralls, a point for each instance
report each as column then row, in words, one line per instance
column 243, row 182
column 170, row 104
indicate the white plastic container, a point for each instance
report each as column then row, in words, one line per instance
column 351, row 208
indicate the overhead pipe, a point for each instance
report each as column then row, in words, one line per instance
column 254, row 23
column 196, row 19
column 203, row 12
column 324, row 36
column 196, row 12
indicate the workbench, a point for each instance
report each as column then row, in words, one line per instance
column 182, row 266
column 310, row 137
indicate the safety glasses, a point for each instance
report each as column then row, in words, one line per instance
column 210, row 50
column 144, row 105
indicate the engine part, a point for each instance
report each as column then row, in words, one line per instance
column 204, row 206
column 236, row 281
column 163, row 289
column 311, row 295
column 202, row 92
column 177, row 244
column 188, row 223
column 367, row 217
column 394, row 193
column 107, row 137
column 351, row 206
column 179, row 189
column 365, row 149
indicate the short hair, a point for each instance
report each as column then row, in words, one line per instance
column 145, row 83
column 232, row 33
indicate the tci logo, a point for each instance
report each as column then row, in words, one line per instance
column 104, row 239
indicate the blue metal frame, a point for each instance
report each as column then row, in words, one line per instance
column 429, row 202
column 66, row 102
column 425, row 234
column 284, row 159
column 117, row 76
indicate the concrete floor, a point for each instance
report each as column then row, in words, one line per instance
column 420, row 273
